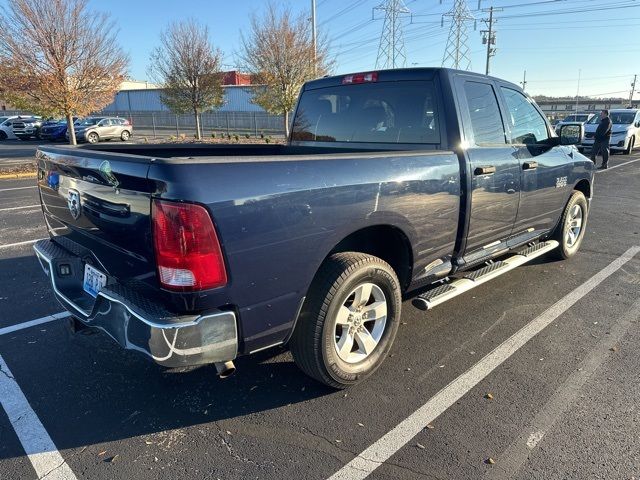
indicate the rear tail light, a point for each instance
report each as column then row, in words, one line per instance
column 188, row 252
column 360, row 78
column 128, row 122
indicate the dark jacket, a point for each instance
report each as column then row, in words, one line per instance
column 603, row 132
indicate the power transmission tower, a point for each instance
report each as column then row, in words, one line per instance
column 391, row 48
column 633, row 90
column 489, row 36
column 456, row 54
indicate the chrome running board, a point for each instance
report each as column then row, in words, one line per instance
column 466, row 281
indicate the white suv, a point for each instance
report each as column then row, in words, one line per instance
column 6, row 128
column 625, row 130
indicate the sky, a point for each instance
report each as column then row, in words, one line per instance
column 565, row 46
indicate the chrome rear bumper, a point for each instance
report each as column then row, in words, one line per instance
column 135, row 322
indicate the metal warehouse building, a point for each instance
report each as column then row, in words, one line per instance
column 237, row 98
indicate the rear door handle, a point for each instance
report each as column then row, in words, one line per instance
column 529, row 165
column 485, row 170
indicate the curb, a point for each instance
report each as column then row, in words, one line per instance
column 14, row 176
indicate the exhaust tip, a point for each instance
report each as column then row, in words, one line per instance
column 225, row 369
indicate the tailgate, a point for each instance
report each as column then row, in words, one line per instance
column 99, row 201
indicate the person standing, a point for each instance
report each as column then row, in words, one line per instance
column 601, row 139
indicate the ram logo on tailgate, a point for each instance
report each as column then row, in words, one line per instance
column 73, row 201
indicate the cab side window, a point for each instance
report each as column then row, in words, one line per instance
column 527, row 125
column 486, row 121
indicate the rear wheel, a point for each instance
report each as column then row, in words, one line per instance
column 93, row 138
column 570, row 232
column 125, row 135
column 349, row 320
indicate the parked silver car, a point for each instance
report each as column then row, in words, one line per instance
column 575, row 118
column 95, row 129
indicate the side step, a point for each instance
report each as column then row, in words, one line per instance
column 468, row 280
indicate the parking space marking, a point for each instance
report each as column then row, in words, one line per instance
column 16, row 188
column 33, row 323
column 19, row 208
column 517, row 454
column 380, row 451
column 620, row 165
column 17, row 244
column 35, row 440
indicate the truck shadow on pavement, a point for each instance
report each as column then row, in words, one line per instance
column 86, row 390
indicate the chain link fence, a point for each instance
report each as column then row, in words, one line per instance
column 159, row 125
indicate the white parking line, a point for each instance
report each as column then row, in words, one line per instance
column 369, row 460
column 35, row 440
column 620, row 165
column 26, row 242
column 16, row 188
column 19, row 208
column 33, row 323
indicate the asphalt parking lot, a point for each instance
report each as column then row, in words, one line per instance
column 533, row 375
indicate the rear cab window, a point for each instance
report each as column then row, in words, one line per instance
column 384, row 112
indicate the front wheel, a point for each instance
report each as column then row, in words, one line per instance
column 570, row 231
column 93, row 138
column 349, row 320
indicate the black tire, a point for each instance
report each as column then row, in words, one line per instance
column 125, row 135
column 93, row 137
column 567, row 249
column 3, row 135
column 313, row 343
column 629, row 148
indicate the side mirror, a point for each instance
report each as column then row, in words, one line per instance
column 638, row 124
column 571, row 134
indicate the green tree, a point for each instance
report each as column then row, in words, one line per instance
column 59, row 58
column 188, row 67
column 279, row 53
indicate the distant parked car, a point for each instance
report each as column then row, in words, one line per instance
column 6, row 132
column 576, row 118
column 56, row 129
column 26, row 127
column 625, row 130
column 95, row 129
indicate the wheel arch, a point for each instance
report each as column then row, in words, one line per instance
column 384, row 241
column 584, row 186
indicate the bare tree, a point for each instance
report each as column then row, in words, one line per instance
column 279, row 52
column 59, row 58
column 188, row 67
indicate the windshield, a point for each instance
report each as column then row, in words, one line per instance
column 2, row 119
column 89, row 122
column 622, row 118
column 404, row 112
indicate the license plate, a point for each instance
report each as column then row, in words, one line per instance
column 94, row 280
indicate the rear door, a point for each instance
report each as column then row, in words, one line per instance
column 106, row 128
column 544, row 170
column 494, row 169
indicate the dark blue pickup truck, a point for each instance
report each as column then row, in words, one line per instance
column 429, row 181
